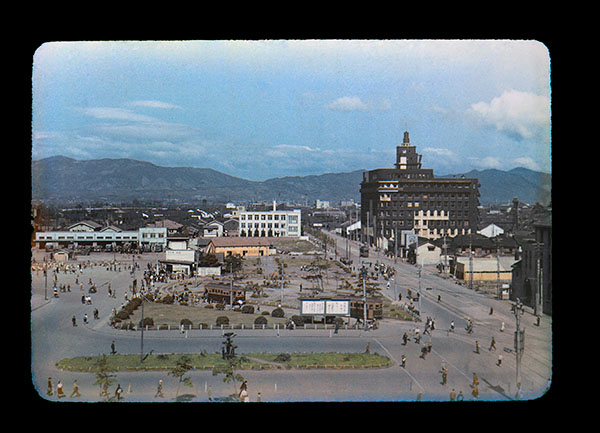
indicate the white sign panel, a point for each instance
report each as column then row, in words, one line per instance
column 312, row 307
column 340, row 308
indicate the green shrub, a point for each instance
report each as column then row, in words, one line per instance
column 222, row 320
column 248, row 309
column 282, row 357
column 277, row 312
column 123, row 315
column 298, row 320
column 260, row 320
column 148, row 321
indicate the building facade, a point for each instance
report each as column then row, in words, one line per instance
column 85, row 234
column 409, row 197
column 274, row 223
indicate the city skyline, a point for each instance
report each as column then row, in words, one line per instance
column 264, row 109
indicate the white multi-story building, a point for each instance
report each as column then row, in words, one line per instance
column 274, row 223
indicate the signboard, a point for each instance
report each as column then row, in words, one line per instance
column 312, row 307
column 338, row 308
column 325, row 307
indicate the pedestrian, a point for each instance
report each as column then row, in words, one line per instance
column 85, row 319
column 451, row 329
column 404, row 339
column 112, row 348
column 49, row 392
column 96, row 313
column 439, row 298
column 460, row 396
column 83, row 299
column 159, row 392
column 452, row 395
column 492, row 344
column 444, row 375
column 477, row 346
column 491, row 310
column 59, row 390
column 368, row 348
column 499, row 360
column 475, row 392
column 258, row 398
column 403, row 361
column 475, row 381
column 75, row 390
column 74, row 320
column 118, row 392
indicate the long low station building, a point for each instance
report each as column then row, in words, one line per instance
column 92, row 234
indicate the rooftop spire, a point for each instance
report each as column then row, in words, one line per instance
column 406, row 140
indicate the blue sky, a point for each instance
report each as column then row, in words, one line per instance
column 263, row 109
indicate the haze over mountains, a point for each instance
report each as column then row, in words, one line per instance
column 62, row 179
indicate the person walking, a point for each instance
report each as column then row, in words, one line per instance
column 49, row 391
column 502, row 327
column 403, row 359
column 59, row 390
column 118, row 392
column 404, row 339
column 452, row 395
column 85, row 319
column 499, row 363
column 74, row 320
column 477, row 346
column 444, row 375
column 475, row 380
column 75, row 390
column 112, row 348
column 460, row 396
column 159, row 392
column 492, row 344
column 368, row 348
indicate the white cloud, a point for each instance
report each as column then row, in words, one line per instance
column 487, row 162
column 526, row 162
column 153, row 104
column 520, row 115
column 296, row 147
column 440, row 152
column 354, row 103
column 347, row 103
column 115, row 113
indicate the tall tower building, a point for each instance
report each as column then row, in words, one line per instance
column 409, row 197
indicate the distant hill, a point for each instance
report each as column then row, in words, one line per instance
column 499, row 186
column 63, row 179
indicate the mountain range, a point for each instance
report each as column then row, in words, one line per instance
column 62, row 179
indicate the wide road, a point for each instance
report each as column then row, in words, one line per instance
column 54, row 338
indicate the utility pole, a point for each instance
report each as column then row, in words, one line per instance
column 539, row 276
column 518, row 310
column 231, row 285
column 470, row 261
column 364, row 274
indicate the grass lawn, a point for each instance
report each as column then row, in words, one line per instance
column 250, row 361
column 172, row 314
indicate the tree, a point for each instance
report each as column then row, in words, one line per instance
column 104, row 378
column 232, row 362
column 232, row 263
column 182, row 366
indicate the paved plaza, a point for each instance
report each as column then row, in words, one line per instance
column 53, row 337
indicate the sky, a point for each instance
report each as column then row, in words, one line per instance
column 272, row 108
